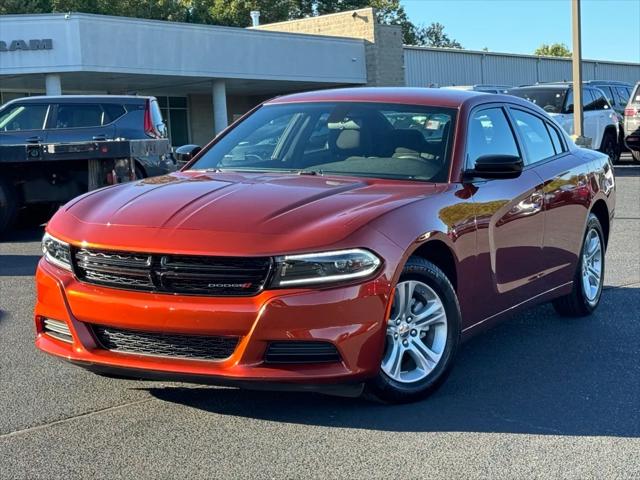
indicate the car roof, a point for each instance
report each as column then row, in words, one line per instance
column 81, row 99
column 435, row 97
column 547, row 86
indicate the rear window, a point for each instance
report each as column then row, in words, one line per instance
column 551, row 100
column 362, row 139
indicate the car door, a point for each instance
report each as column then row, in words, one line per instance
column 22, row 123
column 509, row 218
column 79, row 122
column 566, row 194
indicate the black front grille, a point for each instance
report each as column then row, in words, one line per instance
column 200, row 347
column 185, row 274
column 301, row 352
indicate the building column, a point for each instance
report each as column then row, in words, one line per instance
column 220, row 120
column 53, row 84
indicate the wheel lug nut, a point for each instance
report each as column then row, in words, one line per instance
column 408, row 319
column 398, row 322
column 414, row 333
column 395, row 336
column 405, row 343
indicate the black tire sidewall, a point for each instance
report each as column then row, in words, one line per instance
column 610, row 138
column 8, row 205
column 388, row 389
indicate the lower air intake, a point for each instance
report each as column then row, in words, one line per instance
column 301, row 352
column 195, row 347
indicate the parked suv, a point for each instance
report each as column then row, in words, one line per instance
column 71, row 118
column 632, row 123
column 601, row 122
column 47, row 145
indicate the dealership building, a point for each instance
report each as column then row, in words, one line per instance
column 206, row 76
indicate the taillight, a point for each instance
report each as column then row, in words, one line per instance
column 149, row 129
column 630, row 112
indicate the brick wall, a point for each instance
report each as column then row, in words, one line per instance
column 383, row 43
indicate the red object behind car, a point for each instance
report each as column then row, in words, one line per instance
column 330, row 240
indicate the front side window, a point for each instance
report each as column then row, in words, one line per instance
column 344, row 138
column 534, row 135
column 597, row 100
column 23, row 117
column 78, row 116
column 489, row 134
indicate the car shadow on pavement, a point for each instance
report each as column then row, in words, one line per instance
column 535, row 374
column 18, row 265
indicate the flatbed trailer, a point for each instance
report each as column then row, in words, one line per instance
column 54, row 173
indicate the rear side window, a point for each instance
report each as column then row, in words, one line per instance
column 79, row 115
column 23, row 117
column 112, row 111
column 555, row 138
column 535, row 136
column 623, row 95
column 489, row 134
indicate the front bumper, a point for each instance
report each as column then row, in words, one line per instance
column 350, row 317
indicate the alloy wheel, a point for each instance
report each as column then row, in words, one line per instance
column 416, row 332
column 592, row 266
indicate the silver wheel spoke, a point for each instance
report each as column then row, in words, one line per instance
column 393, row 362
column 592, row 265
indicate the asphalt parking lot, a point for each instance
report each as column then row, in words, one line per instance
column 538, row 396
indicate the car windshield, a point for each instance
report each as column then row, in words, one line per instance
column 551, row 100
column 342, row 138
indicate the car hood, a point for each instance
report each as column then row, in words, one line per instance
column 232, row 212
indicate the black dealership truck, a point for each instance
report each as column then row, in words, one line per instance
column 56, row 147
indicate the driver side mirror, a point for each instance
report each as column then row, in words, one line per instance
column 185, row 153
column 496, row 167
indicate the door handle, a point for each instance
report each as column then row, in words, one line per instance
column 34, row 139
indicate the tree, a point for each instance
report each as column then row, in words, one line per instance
column 553, row 50
column 434, row 36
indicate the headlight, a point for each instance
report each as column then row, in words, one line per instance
column 325, row 267
column 56, row 252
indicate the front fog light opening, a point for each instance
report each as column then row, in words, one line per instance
column 56, row 252
column 325, row 267
column 57, row 329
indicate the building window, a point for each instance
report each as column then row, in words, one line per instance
column 176, row 116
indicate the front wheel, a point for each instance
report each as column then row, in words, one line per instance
column 422, row 335
column 589, row 277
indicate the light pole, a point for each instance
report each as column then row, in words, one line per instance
column 576, row 60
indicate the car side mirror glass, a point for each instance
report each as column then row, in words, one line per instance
column 497, row 166
column 185, row 153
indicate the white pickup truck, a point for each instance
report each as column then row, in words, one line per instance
column 601, row 123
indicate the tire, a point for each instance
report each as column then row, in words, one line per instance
column 139, row 172
column 610, row 146
column 8, row 205
column 402, row 381
column 636, row 155
column 582, row 302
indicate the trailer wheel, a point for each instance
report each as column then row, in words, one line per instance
column 8, row 205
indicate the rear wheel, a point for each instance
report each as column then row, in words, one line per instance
column 421, row 335
column 8, row 205
column 610, row 146
column 589, row 276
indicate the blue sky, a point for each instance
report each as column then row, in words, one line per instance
column 610, row 28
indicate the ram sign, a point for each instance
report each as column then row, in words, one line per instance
column 22, row 45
